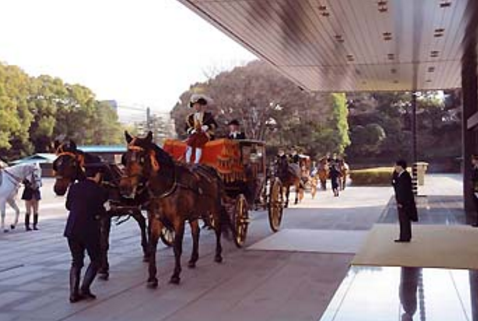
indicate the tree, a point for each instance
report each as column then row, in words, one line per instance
column 34, row 110
column 339, row 121
column 268, row 105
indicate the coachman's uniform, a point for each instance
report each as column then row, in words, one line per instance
column 85, row 201
column 195, row 121
column 200, row 126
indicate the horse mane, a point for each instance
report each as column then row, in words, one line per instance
column 162, row 157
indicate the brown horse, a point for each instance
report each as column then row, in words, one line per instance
column 178, row 193
column 344, row 170
column 323, row 172
column 290, row 175
column 68, row 167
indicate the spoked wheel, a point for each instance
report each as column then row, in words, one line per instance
column 167, row 236
column 241, row 220
column 276, row 205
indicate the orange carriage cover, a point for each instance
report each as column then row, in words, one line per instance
column 222, row 154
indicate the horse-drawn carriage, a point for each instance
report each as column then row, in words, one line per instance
column 232, row 179
column 248, row 184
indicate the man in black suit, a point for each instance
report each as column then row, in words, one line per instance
column 234, row 130
column 474, row 178
column 85, row 201
column 407, row 210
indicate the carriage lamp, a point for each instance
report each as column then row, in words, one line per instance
column 254, row 158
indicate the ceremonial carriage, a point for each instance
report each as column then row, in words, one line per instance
column 247, row 181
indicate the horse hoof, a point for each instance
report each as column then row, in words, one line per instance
column 104, row 276
column 6, row 231
column 152, row 284
column 218, row 259
column 12, row 227
column 191, row 265
column 175, row 280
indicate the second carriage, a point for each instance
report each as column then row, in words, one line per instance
column 247, row 181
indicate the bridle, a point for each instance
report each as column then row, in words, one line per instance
column 80, row 158
column 144, row 182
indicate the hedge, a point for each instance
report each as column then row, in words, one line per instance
column 372, row 176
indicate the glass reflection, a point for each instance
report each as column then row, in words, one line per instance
column 409, row 279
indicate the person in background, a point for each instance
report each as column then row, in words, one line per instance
column 234, row 130
column 474, row 178
column 294, row 156
column 85, row 201
column 407, row 210
column 334, row 179
column 32, row 196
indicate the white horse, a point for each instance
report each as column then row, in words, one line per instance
column 12, row 178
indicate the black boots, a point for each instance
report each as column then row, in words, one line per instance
column 77, row 294
column 87, row 280
column 27, row 222
column 35, row 222
column 74, row 285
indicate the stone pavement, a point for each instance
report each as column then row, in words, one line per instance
column 249, row 285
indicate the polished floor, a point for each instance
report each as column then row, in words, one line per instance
column 405, row 294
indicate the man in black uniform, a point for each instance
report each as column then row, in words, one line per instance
column 407, row 210
column 85, row 201
column 474, row 178
column 234, row 130
column 294, row 157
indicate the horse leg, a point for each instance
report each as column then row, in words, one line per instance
column 2, row 210
column 104, row 271
column 144, row 238
column 219, row 214
column 13, row 204
column 297, row 192
column 287, row 191
column 156, row 227
column 178, row 250
column 194, row 224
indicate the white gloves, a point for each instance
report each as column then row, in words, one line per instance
column 204, row 128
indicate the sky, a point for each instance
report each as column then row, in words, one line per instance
column 138, row 52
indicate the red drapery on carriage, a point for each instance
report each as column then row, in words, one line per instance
column 222, row 154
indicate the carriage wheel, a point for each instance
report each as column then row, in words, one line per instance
column 276, row 205
column 241, row 220
column 167, row 236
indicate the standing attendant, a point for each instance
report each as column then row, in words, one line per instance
column 32, row 196
column 200, row 127
column 85, row 201
column 407, row 210
column 474, row 178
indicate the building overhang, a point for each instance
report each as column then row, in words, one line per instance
column 354, row 45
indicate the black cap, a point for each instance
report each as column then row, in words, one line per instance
column 92, row 170
column 402, row 163
column 234, row 122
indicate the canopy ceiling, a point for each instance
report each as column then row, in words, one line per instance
column 353, row 45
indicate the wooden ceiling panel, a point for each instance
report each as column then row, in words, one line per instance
column 353, row 45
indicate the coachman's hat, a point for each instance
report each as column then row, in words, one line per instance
column 198, row 98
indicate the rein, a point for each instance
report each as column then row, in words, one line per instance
column 16, row 178
column 156, row 167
